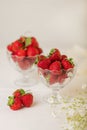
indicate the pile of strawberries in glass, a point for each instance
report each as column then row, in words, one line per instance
column 23, row 51
column 54, row 67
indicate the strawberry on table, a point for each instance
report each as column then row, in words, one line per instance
column 15, row 103
column 27, row 99
column 20, row 99
column 18, row 92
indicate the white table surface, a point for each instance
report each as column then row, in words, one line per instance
column 39, row 116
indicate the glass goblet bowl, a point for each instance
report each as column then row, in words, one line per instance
column 25, row 65
column 55, row 80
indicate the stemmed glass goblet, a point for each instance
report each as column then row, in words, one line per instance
column 24, row 65
column 22, row 55
column 56, row 80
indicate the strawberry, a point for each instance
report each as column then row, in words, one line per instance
column 9, row 47
column 19, row 55
column 40, row 58
column 21, row 52
column 24, row 64
column 34, row 42
column 18, row 92
column 14, row 57
column 44, row 64
column 55, row 54
column 27, row 99
column 16, row 46
column 51, row 78
column 40, row 50
column 62, row 77
column 31, row 51
column 64, row 57
column 67, row 63
column 55, row 66
column 22, row 39
column 15, row 103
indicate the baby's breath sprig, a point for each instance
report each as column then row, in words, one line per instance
column 76, row 113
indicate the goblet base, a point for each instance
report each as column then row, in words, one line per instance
column 56, row 98
column 28, row 79
column 52, row 99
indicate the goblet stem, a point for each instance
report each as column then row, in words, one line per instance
column 54, row 97
column 25, row 78
column 28, row 79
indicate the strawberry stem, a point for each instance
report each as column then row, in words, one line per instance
column 11, row 100
column 51, row 51
column 71, row 60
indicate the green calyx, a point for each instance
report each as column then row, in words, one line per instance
column 22, row 91
column 28, row 41
column 11, row 100
column 71, row 61
column 51, row 51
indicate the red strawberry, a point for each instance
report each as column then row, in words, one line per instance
column 44, row 64
column 67, row 63
column 21, row 52
column 16, row 46
column 24, row 63
column 9, row 47
column 40, row 50
column 40, row 58
column 64, row 57
column 19, row 55
column 14, row 57
column 52, row 78
column 15, row 103
column 31, row 51
column 62, row 77
column 34, row 42
column 22, row 39
column 27, row 99
column 18, row 92
column 55, row 55
column 56, row 65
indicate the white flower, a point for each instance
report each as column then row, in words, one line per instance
column 76, row 113
column 71, row 112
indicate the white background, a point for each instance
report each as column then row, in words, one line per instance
column 60, row 23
